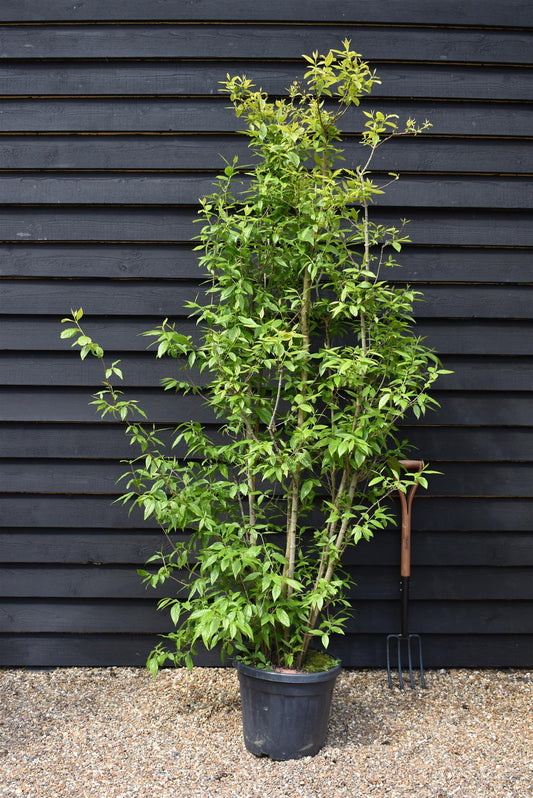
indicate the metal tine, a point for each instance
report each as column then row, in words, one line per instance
column 420, row 661
column 399, row 640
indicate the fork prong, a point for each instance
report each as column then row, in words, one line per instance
column 400, row 639
column 400, row 673
column 389, row 672
column 420, row 661
column 410, row 661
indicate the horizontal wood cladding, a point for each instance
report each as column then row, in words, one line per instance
column 111, row 128
column 75, row 650
column 469, row 650
column 434, row 226
column 132, row 547
column 123, row 334
column 155, row 261
column 469, row 374
column 49, row 476
column 212, row 115
column 465, row 409
column 42, row 297
column 431, row 12
column 98, row 441
column 97, row 616
column 433, row 514
column 454, row 650
column 145, row 78
column 186, row 152
column 371, row 583
column 227, row 42
column 78, row 188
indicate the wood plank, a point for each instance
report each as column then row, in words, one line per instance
column 178, row 261
column 98, row 441
column 444, row 191
column 94, row 477
column 454, row 617
column 132, row 547
column 155, row 261
column 75, row 582
column 443, row 81
column 83, row 616
column 487, row 374
column 380, row 617
column 211, row 115
column 356, row 651
column 450, row 548
column 454, row 650
column 97, row 225
column 145, row 371
column 482, row 479
column 74, row 546
column 49, row 404
column 77, row 188
column 452, row 263
column 370, row 583
column 427, row 153
column 471, row 515
column 227, row 41
column 434, row 514
column 167, row 299
column 460, row 443
column 70, row 650
column 146, row 298
column 66, row 512
column 129, row 548
column 480, row 409
column 87, row 442
column 123, row 334
column 474, row 302
column 62, row 477
column 484, row 337
column 437, row 227
column 55, row 404
column 431, row 12
column 142, row 370
column 499, row 228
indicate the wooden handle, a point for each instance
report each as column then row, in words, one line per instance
column 412, row 465
column 407, row 502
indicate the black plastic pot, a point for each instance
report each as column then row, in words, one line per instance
column 285, row 715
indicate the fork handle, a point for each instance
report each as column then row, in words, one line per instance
column 407, row 502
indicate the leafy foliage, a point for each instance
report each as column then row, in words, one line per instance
column 310, row 364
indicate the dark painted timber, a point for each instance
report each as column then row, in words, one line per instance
column 111, row 129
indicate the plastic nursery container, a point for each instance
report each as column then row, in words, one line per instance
column 285, row 715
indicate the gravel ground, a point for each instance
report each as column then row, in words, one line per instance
column 119, row 733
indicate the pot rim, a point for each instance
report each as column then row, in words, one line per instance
column 290, row 678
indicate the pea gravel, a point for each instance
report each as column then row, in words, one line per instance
column 119, row 733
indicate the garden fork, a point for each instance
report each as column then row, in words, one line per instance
column 405, row 639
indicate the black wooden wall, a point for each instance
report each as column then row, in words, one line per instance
column 110, row 129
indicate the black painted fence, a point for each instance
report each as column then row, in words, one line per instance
column 110, row 130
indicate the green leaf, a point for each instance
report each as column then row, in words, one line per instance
column 175, row 612
column 152, row 666
column 306, row 488
column 282, row 616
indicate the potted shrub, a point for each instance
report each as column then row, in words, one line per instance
column 306, row 356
